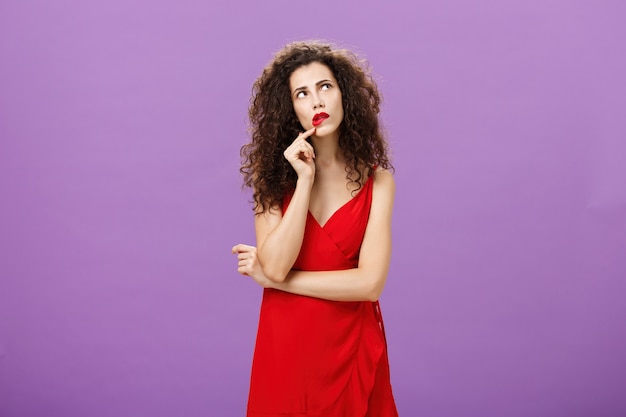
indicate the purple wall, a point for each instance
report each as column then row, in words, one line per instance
column 120, row 125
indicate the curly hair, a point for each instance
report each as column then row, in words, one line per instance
column 274, row 125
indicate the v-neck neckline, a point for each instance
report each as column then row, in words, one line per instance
column 322, row 226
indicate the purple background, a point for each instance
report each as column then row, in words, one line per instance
column 120, row 126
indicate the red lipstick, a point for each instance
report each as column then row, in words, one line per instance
column 319, row 118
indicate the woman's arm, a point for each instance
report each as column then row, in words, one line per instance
column 279, row 237
column 367, row 280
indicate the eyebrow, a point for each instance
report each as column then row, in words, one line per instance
column 317, row 83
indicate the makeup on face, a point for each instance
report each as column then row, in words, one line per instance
column 316, row 97
column 319, row 118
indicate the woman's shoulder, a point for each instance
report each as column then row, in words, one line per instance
column 383, row 191
column 382, row 176
column 383, row 184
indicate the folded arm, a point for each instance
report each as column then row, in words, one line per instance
column 367, row 280
column 279, row 237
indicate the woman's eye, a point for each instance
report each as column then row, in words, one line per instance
column 300, row 94
column 325, row 86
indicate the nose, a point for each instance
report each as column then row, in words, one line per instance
column 317, row 102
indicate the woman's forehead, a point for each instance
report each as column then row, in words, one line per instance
column 310, row 74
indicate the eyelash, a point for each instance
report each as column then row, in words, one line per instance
column 321, row 86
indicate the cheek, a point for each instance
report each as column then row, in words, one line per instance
column 340, row 106
column 298, row 116
column 339, row 101
column 299, row 110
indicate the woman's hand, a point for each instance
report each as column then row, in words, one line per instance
column 249, row 264
column 301, row 155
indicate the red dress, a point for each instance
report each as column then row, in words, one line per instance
column 316, row 357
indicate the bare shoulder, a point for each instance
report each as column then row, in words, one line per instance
column 383, row 180
column 383, row 192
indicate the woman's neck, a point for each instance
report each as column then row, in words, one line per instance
column 327, row 151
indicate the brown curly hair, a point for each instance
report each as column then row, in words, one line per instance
column 274, row 125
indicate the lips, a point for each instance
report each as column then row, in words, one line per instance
column 319, row 118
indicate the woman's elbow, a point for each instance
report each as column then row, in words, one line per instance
column 273, row 270
column 275, row 275
column 375, row 289
column 373, row 296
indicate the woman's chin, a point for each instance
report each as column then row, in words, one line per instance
column 322, row 131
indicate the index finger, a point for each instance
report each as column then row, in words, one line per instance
column 308, row 133
column 241, row 248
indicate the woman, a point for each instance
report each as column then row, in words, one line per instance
column 323, row 196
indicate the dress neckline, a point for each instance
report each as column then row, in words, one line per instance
column 343, row 206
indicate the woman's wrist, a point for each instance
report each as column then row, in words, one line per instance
column 305, row 181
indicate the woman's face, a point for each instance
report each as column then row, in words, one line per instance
column 316, row 98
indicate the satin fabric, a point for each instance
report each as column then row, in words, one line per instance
column 316, row 357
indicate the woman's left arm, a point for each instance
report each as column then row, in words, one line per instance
column 367, row 280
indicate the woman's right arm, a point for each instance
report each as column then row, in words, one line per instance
column 279, row 237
